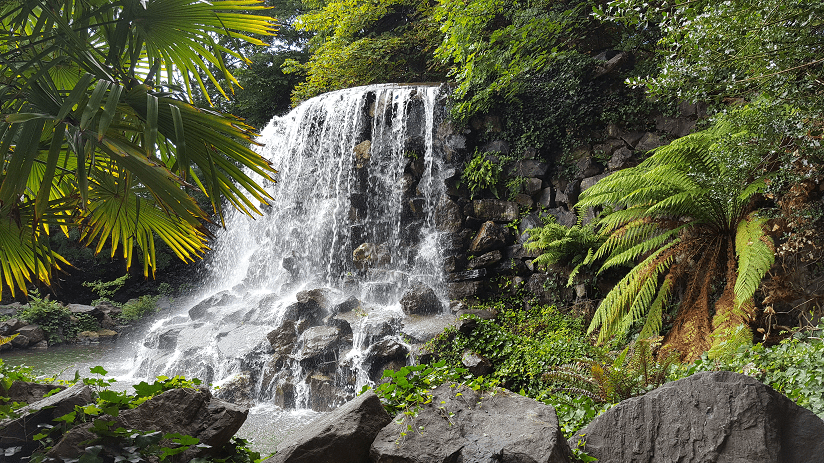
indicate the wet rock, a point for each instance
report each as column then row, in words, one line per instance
column 283, row 337
column 192, row 412
column 448, row 216
column 168, row 339
column 18, row 432
column 468, row 319
column 324, row 395
column 477, row 364
column 319, row 343
column 363, row 152
column 467, row 275
column 709, row 416
column 420, row 299
column 370, row 255
column 464, row 289
column 342, row 436
column 40, row 345
column 491, row 236
column 285, row 395
column 423, row 329
column 33, row 332
column 460, row 424
column 105, row 335
column 495, row 210
column 485, row 260
column 322, row 297
column 375, row 330
column 237, row 391
column 383, row 353
column 220, row 299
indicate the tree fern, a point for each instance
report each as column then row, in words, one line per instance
column 684, row 218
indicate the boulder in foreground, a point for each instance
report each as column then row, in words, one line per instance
column 707, row 417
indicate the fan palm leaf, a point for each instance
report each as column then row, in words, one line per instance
column 93, row 124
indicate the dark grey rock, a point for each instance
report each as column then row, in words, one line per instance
column 590, row 181
column 632, row 138
column 495, row 209
column 462, row 425
column 485, row 260
column 707, row 417
column 78, row 309
column 529, row 168
column 467, row 275
column 491, row 236
column 319, row 341
column 33, row 332
column 283, row 338
column 11, row 326
column 546, row 198
column 532, row 185
column 420, row 299
column 18, row 432
column 620, row 159
column 563, row 216
column 192, row 412
column 342, row 436
column 496, row 147
column 587, row 167
column 350, row 304
column 24, row 392
column 647, row 142
column 464, row 289
column 448, row 216
column 524, row 201
column 468, row 319
column 476, row 363
column 20, row 341
column 382, row 353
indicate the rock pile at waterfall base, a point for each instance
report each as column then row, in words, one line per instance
column 707, row 418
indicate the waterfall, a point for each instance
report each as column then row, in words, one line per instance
column 302, row 306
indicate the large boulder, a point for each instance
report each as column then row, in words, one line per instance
column 33, row 332
column 495, row 209
column 192, row 412
column 448, row 217
column 491, row 236
column 16, row 433
column 460, row 424
column 320, row 343
column 420, row 300
column 25, row 392
column 342, row 436
column 371, row 255
column 708, row 417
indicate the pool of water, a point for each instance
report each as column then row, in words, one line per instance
column 266, row 426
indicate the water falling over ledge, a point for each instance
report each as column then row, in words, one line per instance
column 303, row 306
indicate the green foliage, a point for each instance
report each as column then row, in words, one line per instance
column 613, row 377
column 691, row 203
column 139, row 308
column 795, row 367
column 99, row 135
column 359, row 43
column 711, row 50
column 482, row 172
column 496, row 47
column 571, row 246
column 52, row 317
column 105, row 290
column 521, row 343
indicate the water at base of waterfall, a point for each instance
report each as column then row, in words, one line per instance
column 340, row 278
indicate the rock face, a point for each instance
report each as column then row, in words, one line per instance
column 343, row 436
column 460, row 425
column 707, row 417
column 421, row 299
column 17, row 433
column 192, row 412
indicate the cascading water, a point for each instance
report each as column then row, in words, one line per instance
column 302, row 306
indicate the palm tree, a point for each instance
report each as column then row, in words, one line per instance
column 98, row 131
column 686, row 219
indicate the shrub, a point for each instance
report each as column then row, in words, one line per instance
column 139, row 308
column 53, row 318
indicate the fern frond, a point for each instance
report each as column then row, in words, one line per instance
column 756, row 254
column 644, row 247
column 652, row 327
